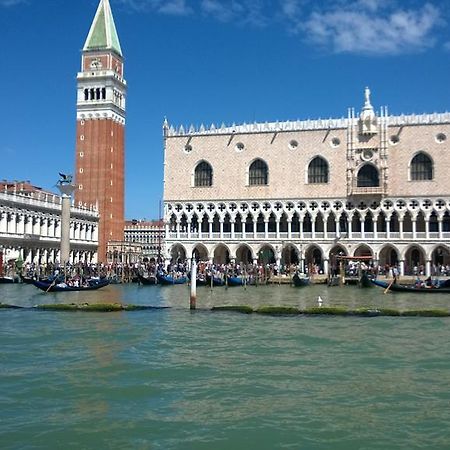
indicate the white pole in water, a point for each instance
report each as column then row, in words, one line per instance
column 193, row 298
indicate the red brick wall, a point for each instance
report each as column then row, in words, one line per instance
column 102, row 163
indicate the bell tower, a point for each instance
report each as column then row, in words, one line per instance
column 100, row 146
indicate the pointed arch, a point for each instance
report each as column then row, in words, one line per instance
column 421, row 167
column 258, row 173
column 203, row 174
column 368, row 176
column 318, row 171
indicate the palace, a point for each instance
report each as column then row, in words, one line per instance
column 369, row 184
column 30, row 226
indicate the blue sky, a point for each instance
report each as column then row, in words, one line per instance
column 210, row 61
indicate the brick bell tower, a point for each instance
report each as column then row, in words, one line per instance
column 100, row 146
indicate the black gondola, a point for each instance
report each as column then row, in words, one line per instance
column 395, row 287
column 300, row 280
column 148, row 280
column 52, row 286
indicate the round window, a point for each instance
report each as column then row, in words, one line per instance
column 367, row 155
column 188, row 148
column 335, row 142
column 394, row 139
column 239, row 147
column 440, row 138
column 293, row 144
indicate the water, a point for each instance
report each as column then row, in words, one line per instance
column 172, row 379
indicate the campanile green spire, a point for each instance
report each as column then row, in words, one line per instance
column 103, row 34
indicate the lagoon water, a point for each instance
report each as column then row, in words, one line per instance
column 175, row 379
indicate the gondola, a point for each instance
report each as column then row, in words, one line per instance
column 216, row 281
column 395, row 287
column 148, row 280
column 235, row 281
column 7, row 280
column 300, row 280
column 365, row 280
column 201, row 279
column 167, row 280
column 52, row 286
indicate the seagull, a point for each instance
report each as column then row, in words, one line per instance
column 319, row 300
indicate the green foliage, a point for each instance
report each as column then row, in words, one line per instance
column 237, row 308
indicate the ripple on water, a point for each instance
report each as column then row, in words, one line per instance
column 178, row 380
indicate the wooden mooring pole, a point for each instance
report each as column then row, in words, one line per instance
column 193, row 296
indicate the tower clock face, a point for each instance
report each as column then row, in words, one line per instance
column 96, row 63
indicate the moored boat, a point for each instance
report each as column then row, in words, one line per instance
column 167, row 280
column 61, row 286
column 7, row 280
column 235, row 281
column 421, row 289
column 148, row 280
column 300, row 280
column 215, row 281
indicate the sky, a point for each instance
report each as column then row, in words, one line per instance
column 211, row 61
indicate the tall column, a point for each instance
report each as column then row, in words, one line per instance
column 441, row 228
column 3, row 221
column 337, row 228
column 400, row 227
column 427, row 228
column 266, row 229
column 375, row 227
column 21, row 224
column 325, row 227
column 255, row 221
column 232, row 229
column 363, row 228
column 349, row 228
column 313, row 227
column 277, row 223
column 325, row 266
column 221, row 229
column 388, row 228
column 289, row 225
column 302, row 236
column 178, row 228
column 66, row 189
column 243, row 222
column 414, row 227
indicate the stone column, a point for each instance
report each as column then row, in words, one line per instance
column 3, row 221
column 302, row 236
column 21, row 224
column 289, row 225
column 277, row 223
column 66, row 190
column 363, row 228
column 325, row 227
column 414, row 227
column 441, row 228
column 402, row 267
column 232, row 223
column 427, row 228
column 337, row 228
column 313, row 227
column 255, row 221
column 325, row 266
column 189, row 223
column 349, row 228
column 178, row 229
column 388, row 228
column 400, row 227
column 221, row 229
column 266, row 229
column 375, row 227
column 210, row 225
column 428, row 268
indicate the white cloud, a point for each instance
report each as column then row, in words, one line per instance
column 170, row 7
column 366, row 27
column 252, row 12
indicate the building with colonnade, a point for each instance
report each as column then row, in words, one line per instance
column 370, row 184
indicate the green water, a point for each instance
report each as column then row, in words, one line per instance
column 172, row 379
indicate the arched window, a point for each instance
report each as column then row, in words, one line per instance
column 421, row 167
column 318, row 171
column 203, row 174
column 258, row 173
column 368, row 176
